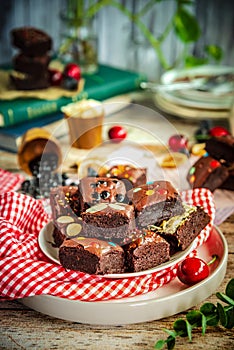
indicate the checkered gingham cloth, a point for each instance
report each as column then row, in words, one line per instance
column 10, row 181
column 25, row 271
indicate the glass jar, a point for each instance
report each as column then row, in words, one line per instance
column 79, row 45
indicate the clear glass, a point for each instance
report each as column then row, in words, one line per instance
column 79, row 45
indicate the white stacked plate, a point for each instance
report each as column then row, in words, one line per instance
column 192, row 102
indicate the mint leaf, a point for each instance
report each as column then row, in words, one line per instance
column 210, row 312
column 230, row 318
column 225, row 298
column 230, row 289
column 180, row 326
column 193, row 61
column 186, row 26
column 214, row 51
column 160, row 344
column 170, row 342
column 222, row 314
column 194, row 317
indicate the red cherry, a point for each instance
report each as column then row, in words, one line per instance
column 218, row 131
column 55, row 77
column 192, row 271
column 117, row 133
column 72, row 70
column 177, row 143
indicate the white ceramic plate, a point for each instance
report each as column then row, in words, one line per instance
column 194, row 98
column 45, row 240
column 188, row 112
column 166, row 301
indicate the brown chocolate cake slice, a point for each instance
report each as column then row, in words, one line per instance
column 91, row 255
column 101, row 190
column 131, row 176
column 31, row 41
column 35, row 66
column 109, row 220
column 155, row 202
column 65, row 207
column 207, row 172
column 221, row 148
column 147, row 251
column 181, row 230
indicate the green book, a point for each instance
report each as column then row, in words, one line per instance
column 106, row 83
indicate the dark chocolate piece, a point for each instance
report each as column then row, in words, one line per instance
column 131, row 176
column 22, row 81
column 109, row 220
column 207, row 172
column 221, row 148
column 92, row 256
column 146, row 252
column 32, row 41
column 35, row 66
column 155, row 202
column 101, row 190
column 181, row 230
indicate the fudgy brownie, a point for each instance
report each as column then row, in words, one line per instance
column 147, row 251
column 101, row 190
column 229, row 183
column 23, row 81
column 131, row 176
column 65, row 200
column 207, row 172
column 181, row 230
column 91, row 255
column 66, row 226
column 35, row 66
column 31, row 41
column 65, row 207
column 221, row 148
column 109, row 220
column 155, row 202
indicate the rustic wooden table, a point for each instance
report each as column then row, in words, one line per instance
column 24, row 328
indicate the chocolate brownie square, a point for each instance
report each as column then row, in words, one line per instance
column 66, row 226
column 155, row 202
column 91, row 255
column 131, row 176
column 207, row 172
column 109, row 220
column 31, row 41
column 22, row 81
column 146, row 252
column 101, row 190
column 65, row 200
column 221, row 148
column 65, row 208
column 181, row 230
column 35, row 66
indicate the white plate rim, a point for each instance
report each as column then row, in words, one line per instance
column 132, row 310
column 45, row 241
column 202, row 99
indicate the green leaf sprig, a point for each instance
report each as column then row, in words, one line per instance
column 209, row 314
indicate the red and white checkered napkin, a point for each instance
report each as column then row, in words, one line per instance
column 9, row 181
column 25, row 271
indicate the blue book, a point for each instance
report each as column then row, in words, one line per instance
column 10, row 137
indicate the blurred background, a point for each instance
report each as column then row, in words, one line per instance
column 125, row 44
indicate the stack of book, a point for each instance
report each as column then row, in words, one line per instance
column 19, row 115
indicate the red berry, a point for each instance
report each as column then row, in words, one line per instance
column 117, row 133
column 192, row 271
column 177, row 143
column 72, row 70
column 218, row 131
column 55, row 77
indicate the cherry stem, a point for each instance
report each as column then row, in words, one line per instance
column 214, row 257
